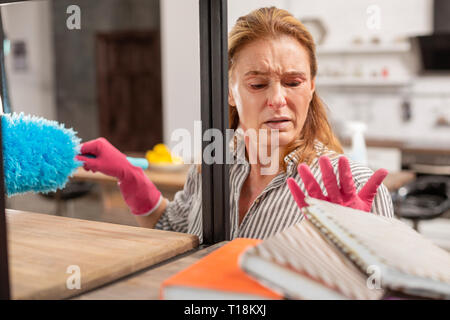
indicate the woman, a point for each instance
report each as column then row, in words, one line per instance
column 272, row 69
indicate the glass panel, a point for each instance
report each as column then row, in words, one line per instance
column 108, row 69
column 126, row 70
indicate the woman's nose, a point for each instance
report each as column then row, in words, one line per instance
column 276, row 98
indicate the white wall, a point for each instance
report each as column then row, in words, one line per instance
column 345, row 19
column 31, row 91
column 180, row 56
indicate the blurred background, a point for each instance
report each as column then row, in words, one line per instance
column 128, row 70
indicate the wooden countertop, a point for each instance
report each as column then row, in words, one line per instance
column 412, row 146
column 45, row 252
column 379, row 143
column 396, row 180
column 146, row 285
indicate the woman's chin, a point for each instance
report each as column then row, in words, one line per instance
column 284, row 138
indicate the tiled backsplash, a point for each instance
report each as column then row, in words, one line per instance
column 386, row 115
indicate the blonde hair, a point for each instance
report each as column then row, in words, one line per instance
column 266, row 23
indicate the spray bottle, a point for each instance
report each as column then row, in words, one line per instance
column 359, row 149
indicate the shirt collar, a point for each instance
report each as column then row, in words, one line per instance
column 237, row 148
column 292, row 160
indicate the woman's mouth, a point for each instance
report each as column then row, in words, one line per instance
column 280, row 123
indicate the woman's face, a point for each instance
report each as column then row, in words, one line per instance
column 271, row 86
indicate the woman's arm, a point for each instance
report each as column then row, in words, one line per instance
column 151, row 220
column 176, row 214
column 141, row 195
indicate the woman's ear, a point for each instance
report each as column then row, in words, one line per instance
column 231, row 101
column 313, row 85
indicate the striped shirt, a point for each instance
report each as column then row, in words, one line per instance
column 273, row 210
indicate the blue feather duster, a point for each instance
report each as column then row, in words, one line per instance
column 39, row 154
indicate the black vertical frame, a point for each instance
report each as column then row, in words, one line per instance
column 4, row 270
column 214, row 114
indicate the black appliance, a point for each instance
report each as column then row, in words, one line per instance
column 435, row 48
column 427, row 197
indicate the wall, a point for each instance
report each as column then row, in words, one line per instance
column 180, row 45
column 348, row 18
column 32, row 90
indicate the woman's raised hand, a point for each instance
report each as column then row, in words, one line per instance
column 346, row 194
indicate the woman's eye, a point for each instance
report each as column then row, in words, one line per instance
column 258, row 86
column 293, row 83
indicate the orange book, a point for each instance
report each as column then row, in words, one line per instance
column 217, row 276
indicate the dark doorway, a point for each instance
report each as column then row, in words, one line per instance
column 129, row 89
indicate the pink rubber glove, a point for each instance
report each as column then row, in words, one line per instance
column 345, row 195
column 138, row 191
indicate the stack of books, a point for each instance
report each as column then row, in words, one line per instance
column 217, row 276
column 337, row 253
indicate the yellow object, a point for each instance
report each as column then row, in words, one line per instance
column 160, row 154
column 161, row 149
